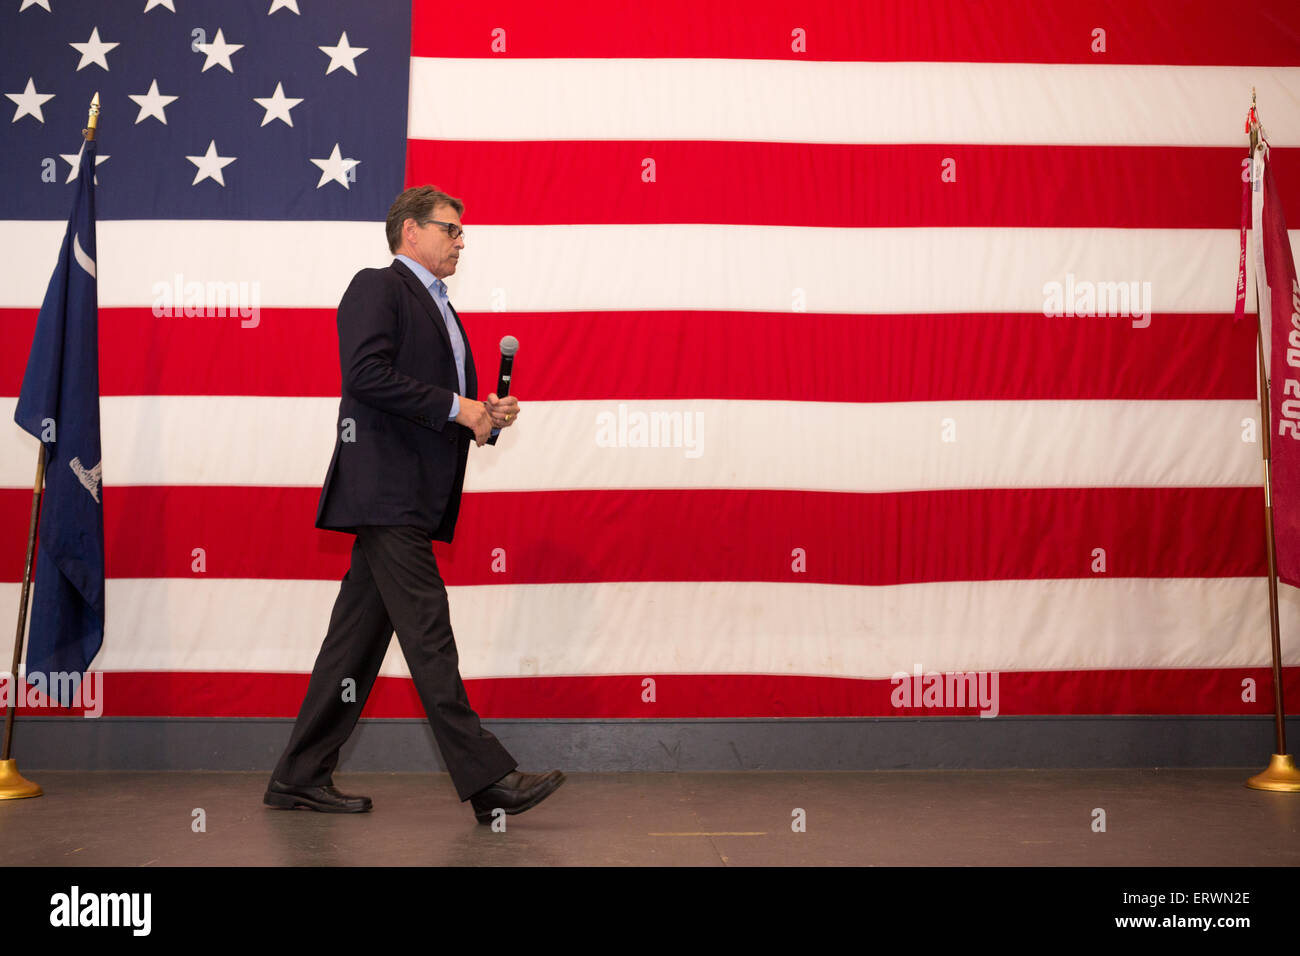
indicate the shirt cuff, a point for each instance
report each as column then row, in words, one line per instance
column 496, row 431
column 455, row 407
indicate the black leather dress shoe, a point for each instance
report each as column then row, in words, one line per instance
column 282, row 796
column 515, row 793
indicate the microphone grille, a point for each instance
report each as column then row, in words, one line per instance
column 509, row 345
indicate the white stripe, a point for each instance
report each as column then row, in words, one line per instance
column 836, row 102
column 720, row 627
column 292, row 263
column 781, row 269
column 657, row 266
column 216, row 440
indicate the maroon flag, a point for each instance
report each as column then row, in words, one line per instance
column 1279, row 322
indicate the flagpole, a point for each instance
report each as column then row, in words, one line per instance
column 12, row 784
column 1281, row 774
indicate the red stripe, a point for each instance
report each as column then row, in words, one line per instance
column 239, row 694
column 679, row 355
column 731, row 535
column 881, row 186
column 144, row 354
column 1200, row 32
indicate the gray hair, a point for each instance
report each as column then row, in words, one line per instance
column 416, row 203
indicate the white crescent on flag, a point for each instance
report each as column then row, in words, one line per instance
column 79, row 254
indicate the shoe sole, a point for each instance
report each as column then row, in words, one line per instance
column 287, row 801
column 510, row 812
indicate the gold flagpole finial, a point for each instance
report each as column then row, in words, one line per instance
column 92, row 121
column 1253, row 125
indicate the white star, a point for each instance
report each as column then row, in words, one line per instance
column 343, row 55
column 277, row 105
column 283, row 5
column 335, row 168
column 218, row 52
column 33, row 3
column 75, row 160
column 152, row 104
column 210, row 165
column 93, row 50
column 159, row 3
column 29, row 102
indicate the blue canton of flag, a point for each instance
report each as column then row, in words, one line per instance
column 213, row 109
column 59, row 404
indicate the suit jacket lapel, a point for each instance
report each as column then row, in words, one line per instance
column 425, row 298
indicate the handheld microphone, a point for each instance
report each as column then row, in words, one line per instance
column 509, row 346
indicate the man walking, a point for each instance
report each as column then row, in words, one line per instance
column 406, row 418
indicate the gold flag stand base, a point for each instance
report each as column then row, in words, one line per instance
column 13, row 785
column 1281, row 775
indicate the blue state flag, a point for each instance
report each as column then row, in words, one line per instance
column 59, row 404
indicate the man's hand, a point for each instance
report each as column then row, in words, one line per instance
column 474, row 415
column 503, row 411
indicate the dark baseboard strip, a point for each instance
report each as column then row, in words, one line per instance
column 889, row 743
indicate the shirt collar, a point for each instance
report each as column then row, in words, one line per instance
column 427, row 278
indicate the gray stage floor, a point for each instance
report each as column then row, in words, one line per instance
column 897, row 818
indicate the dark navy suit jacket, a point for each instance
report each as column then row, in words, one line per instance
column 405, row 462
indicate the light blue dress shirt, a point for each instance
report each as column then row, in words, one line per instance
column 438, row 289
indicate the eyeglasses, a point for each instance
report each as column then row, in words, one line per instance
column 454, row 231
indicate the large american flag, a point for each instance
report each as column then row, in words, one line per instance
column 796, row 418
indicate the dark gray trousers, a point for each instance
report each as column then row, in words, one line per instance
column 393, row 584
